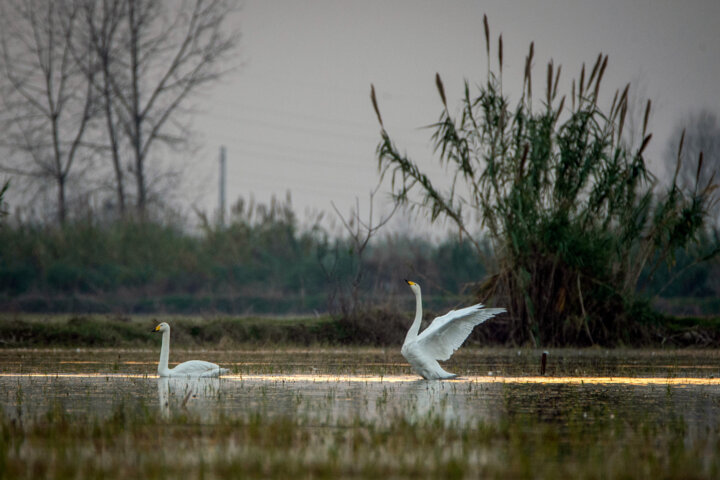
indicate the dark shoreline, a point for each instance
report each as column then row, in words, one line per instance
column 20, row 330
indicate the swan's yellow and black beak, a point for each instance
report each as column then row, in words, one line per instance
column 156, row 329
column 409, row 282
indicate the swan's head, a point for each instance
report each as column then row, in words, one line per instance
column 414, row 286
column 163, row 327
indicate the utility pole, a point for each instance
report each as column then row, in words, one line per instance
column 221, row 212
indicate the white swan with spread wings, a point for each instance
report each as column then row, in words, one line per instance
column 440, row 340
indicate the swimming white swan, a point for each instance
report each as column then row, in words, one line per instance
column 191, row 368
column 444, row 335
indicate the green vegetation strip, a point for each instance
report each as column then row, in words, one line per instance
column 138, row 443
column 372, row 328
column 105, row 331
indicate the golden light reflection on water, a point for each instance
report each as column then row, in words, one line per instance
column 98, row 362
column 319, row 378
column 77, row 375
column 492, row 379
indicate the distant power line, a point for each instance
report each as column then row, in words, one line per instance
column 293, row 159
column 241, row 106
column 286, row 153
column 322, row 88
column 280, row 182
column 325, row 132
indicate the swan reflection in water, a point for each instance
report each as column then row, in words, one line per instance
column 187, row 394
column 437, row 400
column 415, row 400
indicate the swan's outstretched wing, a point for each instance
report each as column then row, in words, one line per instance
column 447, row 333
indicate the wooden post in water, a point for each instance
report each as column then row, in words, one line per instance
column 543, row 362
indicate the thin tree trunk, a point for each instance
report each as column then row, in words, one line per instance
column 119, row 181
column 59, row 174
column 136, row 115
column 62, row 207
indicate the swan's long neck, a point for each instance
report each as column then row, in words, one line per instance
column 415, row 327
column 164, row 353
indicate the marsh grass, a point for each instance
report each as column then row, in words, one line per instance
column 132, row 441
column 274, row 427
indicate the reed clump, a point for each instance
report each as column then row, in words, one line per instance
column 574, row 216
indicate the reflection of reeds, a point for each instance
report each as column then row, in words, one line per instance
column 580, row 433
column 329, row 422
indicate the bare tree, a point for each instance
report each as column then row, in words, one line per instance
column 152, row 60
column 3, row 189
column 360, row 232
column 102, row 30
column 48, row 99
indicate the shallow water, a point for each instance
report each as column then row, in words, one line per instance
column 376, row 361
column 342, row 386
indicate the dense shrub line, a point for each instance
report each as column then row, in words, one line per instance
column 377, row 327
column 261, row 263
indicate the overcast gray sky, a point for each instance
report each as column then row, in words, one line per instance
column 296, row 115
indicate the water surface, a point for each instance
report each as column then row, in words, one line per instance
column 342, row 386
